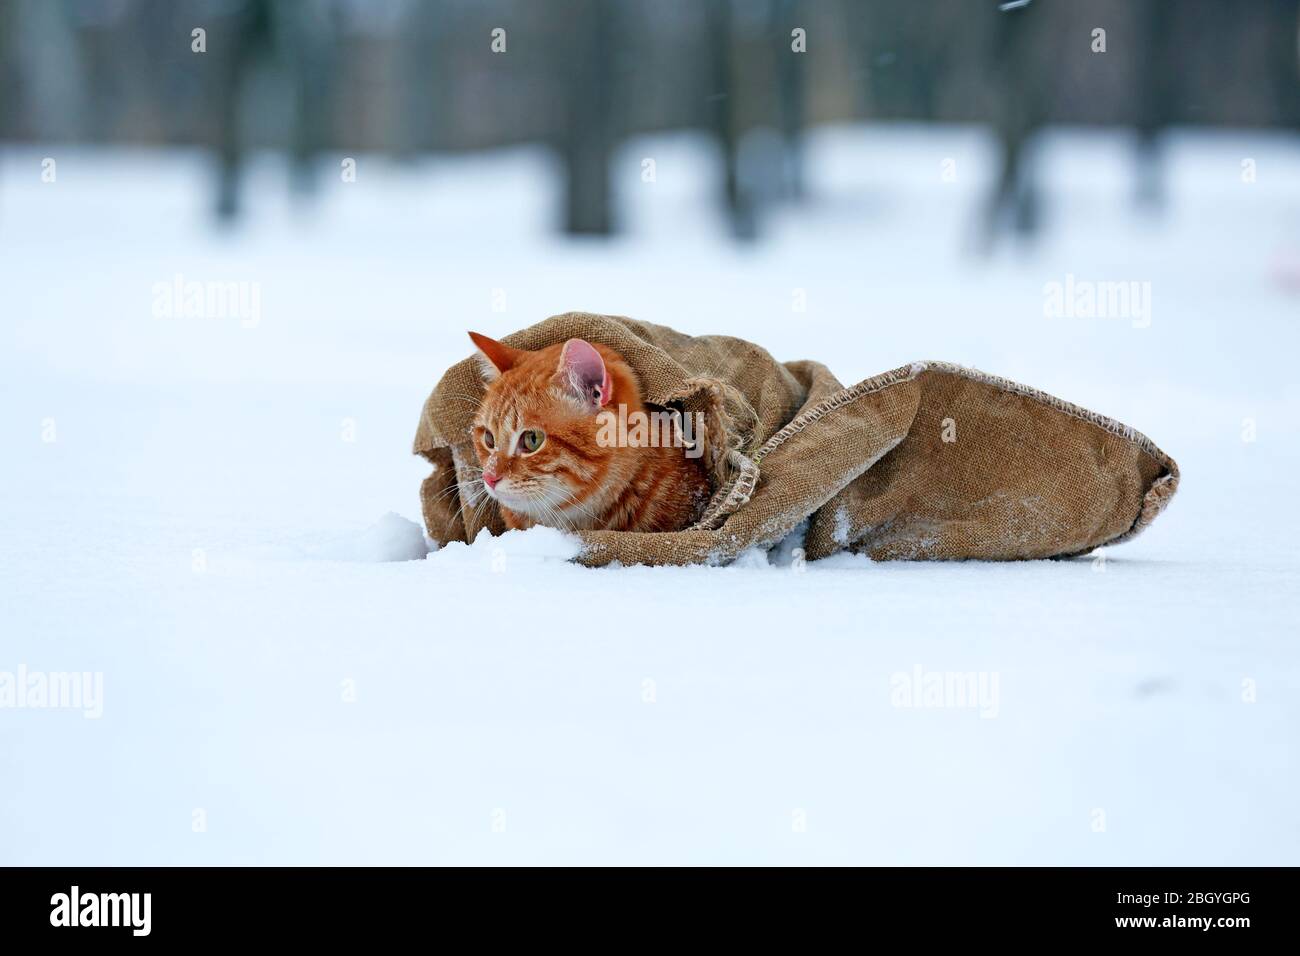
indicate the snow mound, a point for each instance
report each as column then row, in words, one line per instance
column 536, row 545
column 391, row 538
column 752, row 558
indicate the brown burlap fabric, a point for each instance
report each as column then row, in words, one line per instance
column 928, row 461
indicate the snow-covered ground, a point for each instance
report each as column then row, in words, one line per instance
column 198, row 509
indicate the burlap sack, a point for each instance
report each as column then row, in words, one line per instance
column 928, row 461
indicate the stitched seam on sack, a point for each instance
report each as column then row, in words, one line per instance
column 734, row 494
column 907, row 372
column 1111, row 425
column 903, row 373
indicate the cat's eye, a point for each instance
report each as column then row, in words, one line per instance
column 531, row 440
column 487, row 439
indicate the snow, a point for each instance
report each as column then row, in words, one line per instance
column 535, row 547
column 391, row 538
column 843, row 527
column 219, row 517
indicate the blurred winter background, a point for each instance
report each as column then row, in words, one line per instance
column 210, row 499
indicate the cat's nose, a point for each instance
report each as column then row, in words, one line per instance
column 490, row 479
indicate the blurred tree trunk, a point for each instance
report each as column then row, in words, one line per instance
column 1021, row 111
column 420, row 129
column 236, row 45
column 587, row 137
column 791, row 83
column 1156, row 96
column 305, row 38
column 723, row 115
column 1285, row 61
column 8, row 73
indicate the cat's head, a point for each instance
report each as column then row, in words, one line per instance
column 536, row 429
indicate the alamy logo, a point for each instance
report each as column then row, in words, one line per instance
column 663, row 429
column 1086, row 299
column 181, row 299
column 922, row 690
column 102, row 909
column 53, row 690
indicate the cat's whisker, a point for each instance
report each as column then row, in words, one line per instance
column 464, row 397
column 552, row 515
column 559, row 519
column 448, row 491
column 571, row 501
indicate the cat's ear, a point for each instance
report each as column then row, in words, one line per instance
column 494, row 357
column 583, row 371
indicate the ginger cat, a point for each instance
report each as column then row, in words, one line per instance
column 546, row 460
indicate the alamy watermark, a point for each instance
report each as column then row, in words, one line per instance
column 192, row 299
column 919, row 689
column 658, row 429
column 53, row 690
column 75, row 908
column 1089, row 299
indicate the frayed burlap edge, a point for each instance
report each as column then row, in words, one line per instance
column 725, row 433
